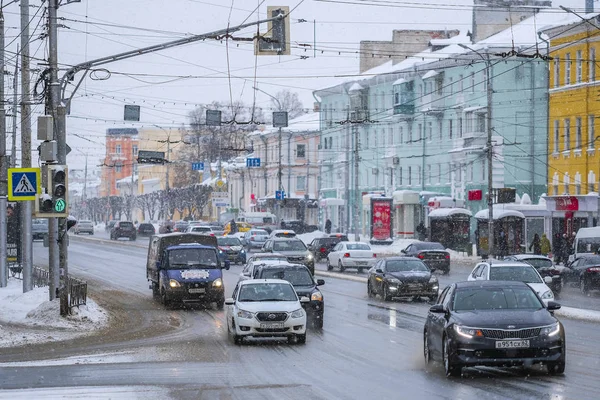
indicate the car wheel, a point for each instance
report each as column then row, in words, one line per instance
column 163, row 299
column 426, row 349
column 318, row 323
column 329, row 267
column 301, row 339
column 386, row 294
column 583, row 286
column 450, row 368
column 220, row 304
column 556, row 368
column 237, row 339
column 155, row 291
column 369, row 289
column 341, row 266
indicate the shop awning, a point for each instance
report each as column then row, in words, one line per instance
column 498, row 214
column 447, row 212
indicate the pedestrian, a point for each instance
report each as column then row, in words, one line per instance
column 502, row 244
column 565, row 248
column 545, row 245
column 557, row 248
column 232, row 227
column 421, row 231
column 328, row 226
column 536, row 245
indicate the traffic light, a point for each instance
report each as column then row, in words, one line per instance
column 54, row 201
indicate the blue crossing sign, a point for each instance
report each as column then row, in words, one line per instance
column 23, row 183
column 253, row 162
column 279, row 194
column 198, row 166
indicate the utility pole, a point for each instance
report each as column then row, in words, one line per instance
column 279, row 177
column 26, row 206
column 347, row 173
column 356, row 191
column 13, row 152
column 3, row 165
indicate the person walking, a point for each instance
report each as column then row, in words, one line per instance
column 536, row 245
column 328, row 226
column 545, row 245
column 557, row 248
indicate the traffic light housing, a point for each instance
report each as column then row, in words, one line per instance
column 54, row 202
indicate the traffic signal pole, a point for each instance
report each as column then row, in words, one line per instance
column 3, row 165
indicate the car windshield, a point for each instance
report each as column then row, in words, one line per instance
column 188, row 258
column 126, row 224
column 295, row 276
column 228, row 241
column 517, row 273
column 259, row 232
column 538, row 262
column 267, row 292
column 200, row 229
column 405, row 266
column 429, row 246
column 292, row 245
column 358, row 246
column 269, row 258
column 471, row 299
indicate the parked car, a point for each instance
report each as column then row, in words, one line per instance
column 294, row 249
column 513, row 271
column 431, row 253
column 585, row 272
column 351, row 255
column 493, row 323
column 268, row 308
column 255, row 238
column 402, row 277
column 123, row 229
column 304, row 284
column 204, row 229
column 108, row 227
column 282, row 233
column 166, row 227
column 83, row 227
column 321, row 247
column 544, row 265
column 180, row 226
column 146, row 229
column 39, row 228
column 230, row 248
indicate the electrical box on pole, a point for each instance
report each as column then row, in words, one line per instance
column 54, row 201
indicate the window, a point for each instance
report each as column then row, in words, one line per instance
column 578, row 133
column 300, row 183
column 592, row 65
column 399, row 176
column 472, row 82
column 430, row 131
column 409, row 176
column 450, row 122
column 483, row 174
column 135, row 149
column 449, row 172
column 118, row 149
column 391, row 136
column 440, row 127
column 118, row 166
column 567, row 135
column 429, row 174
column 579, row 67
column 439, row 174
column 419, row 175
column 400, row 135
column 591, row 131
column 485, row 78
column 451, row 86
column 397, row 98
column 568, row 69
column 409, row 138
column 460, row 127
column 420, row 132
column 556, row 135
column 460, row 83
column 480, row 122
column 555, row 189
column 556, row 71
column 301, row 150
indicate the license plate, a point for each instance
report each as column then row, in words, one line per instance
column 197, row 290
column 273, row 325
column 512, row 344
column 361, row 262
column 414, row 287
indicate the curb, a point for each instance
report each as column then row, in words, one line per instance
column 106, row 241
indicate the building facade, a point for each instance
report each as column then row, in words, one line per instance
column 119, row 162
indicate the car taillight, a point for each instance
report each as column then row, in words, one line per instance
column 447, row 256
column 212, row 234
column 421, row 256
column 346, row 255
column 593, row 269
column 374, row 255
column 322, row 249
column 555, row 272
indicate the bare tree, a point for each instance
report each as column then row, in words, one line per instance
column 290, row 102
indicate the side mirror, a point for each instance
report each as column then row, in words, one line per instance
column 227, row 264
column 229, row 301
column 320, row 282
column 437, row 309
column 547, row 279
column 403, row 251
column 304, row 299
column 379, row 271
column 552, row 305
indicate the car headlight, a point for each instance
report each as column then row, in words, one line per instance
column 242, row 251
column 316, row 296
column 548, row 295
column 433, row 279
column 467, row 332
column 551, row 330
column 217, row 283
column 395, row 281
column 245, row 314
column 220, row 251
column 309, row 256
column 299, row 313
column 174, row 283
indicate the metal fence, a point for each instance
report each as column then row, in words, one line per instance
column 41, row 277
column 76, row 288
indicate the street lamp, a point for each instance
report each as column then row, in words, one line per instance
column 490, row 151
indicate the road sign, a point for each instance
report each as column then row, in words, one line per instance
column 279, row 194
column 60, row 206
column 220, row 183
column 198, row 166
column 252, row 162
column 220, row 199
column 151, row 157
column 23, row 183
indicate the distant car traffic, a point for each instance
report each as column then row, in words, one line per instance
column 321, row 247
column 585, row 272
column 351, row 255
column 294, row 249
column 180, row 226
column 255, row 238
column 513, row 271
column 240, row 226
column 84, row 227
column 402, row 277
column 39, row 228
column 493, row 323
column 123, row 229
column 431, row 253
column 544, row 265
column 298, row 226
column 205, row 229
column 267, row 308
column 230, row 248
column 166, row 227
column 146, row 229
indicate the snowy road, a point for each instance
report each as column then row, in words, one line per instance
column 367, row 349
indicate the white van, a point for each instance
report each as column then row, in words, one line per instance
column 587, row 241
column 263, row 220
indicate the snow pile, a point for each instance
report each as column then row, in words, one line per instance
column 100, row 227
column 394, row 249
column 27, row 318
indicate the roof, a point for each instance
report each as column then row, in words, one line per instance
column 309, row 122
column 498, row 214
column 529, row 257
column 430, row 74
column 188, row 245
column 588, row 232
column 447, row 212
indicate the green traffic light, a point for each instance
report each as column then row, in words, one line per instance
column 60, row 205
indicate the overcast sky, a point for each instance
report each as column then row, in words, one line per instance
column 169, row 84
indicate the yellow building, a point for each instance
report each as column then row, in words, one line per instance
column 574, row 109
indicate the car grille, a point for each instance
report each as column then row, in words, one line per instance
column 511, row 334
column 272, row 330
column 271, row 317
column 195, row 285
column 296, row 259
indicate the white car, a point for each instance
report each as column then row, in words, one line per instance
column 513, row 271
column 266, row 308
column 283, row 233
column 351, row 255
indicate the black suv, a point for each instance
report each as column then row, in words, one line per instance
column 304, row 284
column 321, row 247
column 146, row 229
column 123, row 229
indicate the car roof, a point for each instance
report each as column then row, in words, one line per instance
column 509, row 264
column 259, row 281
column 347, row 243
column 588, row 232
column 284, row 239
column 267, row 255
column 529, row 256
column 402, row 258
column 282, row 265
column 468, row 284
column 188, row 246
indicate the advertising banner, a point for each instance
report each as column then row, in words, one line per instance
column 13, row 235
column 381, row 218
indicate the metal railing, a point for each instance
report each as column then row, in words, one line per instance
column 41, row 277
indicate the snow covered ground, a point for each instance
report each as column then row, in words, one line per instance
column 27, row 318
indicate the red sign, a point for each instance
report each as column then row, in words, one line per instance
column 475, row 195
column 567, row 204
column 381, row 219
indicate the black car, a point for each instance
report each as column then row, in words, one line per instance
column 230, row 248
column 146, row 229
column 402, row 277
column 297, row 226
column 585, row 272
column 431, row 253
column 493, row 323
column 544, row 266
column 180, row 226
column 123, row 229
column 320, row 247
column 304, row 284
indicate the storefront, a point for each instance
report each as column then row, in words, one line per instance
column 451, row 227
column 508, row 232
column 332, row 209
column 569, row 213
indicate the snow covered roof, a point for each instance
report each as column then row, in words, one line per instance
column 399, row 82
column 447, row 212
column 474, row 108
column 498, row 214
column 213, row 181
column 309, row 122
column 430, row 74
column 460, row 38
column 127, row 180
column 355, row 87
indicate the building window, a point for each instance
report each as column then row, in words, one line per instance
column 592, row 65
column 440, row 127
column 391, row 136
column 439, row 174
column 450, row 123
column 118, row 167
column 556, row 71
column 451, row 86
column 399, row 177
column 397, row 98
column 578, row 188
column 301, row 150
column 430, row 131
column 485, row 78
column 118, row 149
column 400, row 135
column 567, row 134
column 556, row 135
column 472, row 82
column 483, row 173
column 568, row 69
column 579, row 67
column 420, row 132
column 409, row 176
column 419, row 175
column 566, row 182
column 578, row 133
column 429, row 174
column 460, row 127
column 300, row 183
column 135, row 149
column 409, row 138
column 591, row 131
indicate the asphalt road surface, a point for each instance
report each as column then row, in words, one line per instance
column 368, row 349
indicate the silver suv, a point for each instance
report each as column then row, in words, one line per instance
column 84, row 227
column 294, row 249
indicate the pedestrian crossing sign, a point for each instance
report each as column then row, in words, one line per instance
column 23, row 183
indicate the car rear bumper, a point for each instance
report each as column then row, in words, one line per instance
column 361, row 263
column 404, row 291
column 441, row 265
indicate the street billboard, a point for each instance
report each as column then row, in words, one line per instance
column 381, row 218
column 13, row 235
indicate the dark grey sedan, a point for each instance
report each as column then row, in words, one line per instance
column 402, row 277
